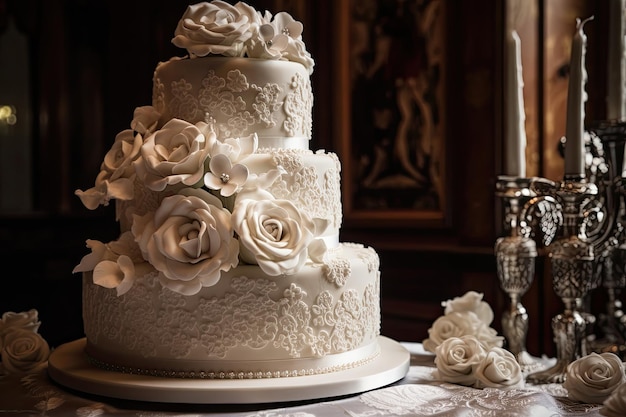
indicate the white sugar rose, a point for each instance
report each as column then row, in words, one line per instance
column 175, row 154
column 499, row 369
column 215, row 28
column 145, row 120
column 117, row 173
column 23, row 351
column 470, row 301
column 592, row 378
column 456, row 359
column 27, row 320
column 274, row 234
column 457, row 324
column 615, row 405
column 188, row 239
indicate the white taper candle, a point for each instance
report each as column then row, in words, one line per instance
column 576, row 98
column 515, row 139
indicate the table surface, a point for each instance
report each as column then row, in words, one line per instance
column 417, row 394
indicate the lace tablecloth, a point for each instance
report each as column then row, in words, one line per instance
column 418, row 394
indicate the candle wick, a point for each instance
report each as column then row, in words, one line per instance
column 580, row 23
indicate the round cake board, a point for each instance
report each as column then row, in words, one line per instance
column 68, row 366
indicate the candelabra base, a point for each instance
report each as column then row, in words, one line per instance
column 552, row 375
column 529, row 363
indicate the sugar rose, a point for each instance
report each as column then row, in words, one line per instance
column 471, row 301
column 145, row 120
column 615, row 405
column 115, row 180
column 23, row 351
column 456, row 359
column 175, row 154
column 274, row 234
column 499, row 369
column 28, row 320
column 592, row 378
column 457, row 324
column 215, row 28
column 188, row 239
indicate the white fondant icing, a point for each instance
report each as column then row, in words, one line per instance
column 238, row 95
column 229, row 262
column 246, row 318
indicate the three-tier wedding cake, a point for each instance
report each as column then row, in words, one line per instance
column 229, row 263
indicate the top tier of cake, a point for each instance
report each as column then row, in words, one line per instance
column 238, row 96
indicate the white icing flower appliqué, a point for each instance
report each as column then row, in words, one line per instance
column 225, row 176
column 274, row 234
column 115, row 180
column 116, row 264
column 188, row 239
column 215, row 28
column 175, row 154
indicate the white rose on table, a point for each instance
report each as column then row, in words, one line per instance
column 458, row 324
column 216, row 28
column 28, row 320
column 23, row 351
column 499, row 369
column 456, row 359
column 470, row 301
column 188, row 239
column 615, row 405
column 175, row 154
column 594, row 377
column 274, row 234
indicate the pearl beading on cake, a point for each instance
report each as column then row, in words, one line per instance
column 230, row 374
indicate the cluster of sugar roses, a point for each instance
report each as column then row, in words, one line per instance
column 598, row 378
column 218, row 28
column 22, row 349
column 468, row 351
column 210, row 212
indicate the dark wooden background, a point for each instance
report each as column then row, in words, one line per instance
column 91, row 64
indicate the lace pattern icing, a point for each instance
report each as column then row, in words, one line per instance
column 319, row 197
column 237, row 107
column 249, row 314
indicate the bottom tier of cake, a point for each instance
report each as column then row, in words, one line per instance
column 249, row 325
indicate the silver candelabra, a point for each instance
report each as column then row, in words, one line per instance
column 579, row 222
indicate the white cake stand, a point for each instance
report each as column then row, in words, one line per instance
column 68, row 365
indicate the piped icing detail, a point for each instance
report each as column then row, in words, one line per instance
column 235, row 107
column 252, row 313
